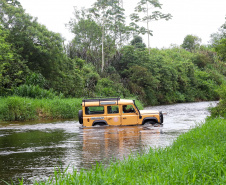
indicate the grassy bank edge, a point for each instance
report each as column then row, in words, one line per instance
column 14, row 108
column 196, row 157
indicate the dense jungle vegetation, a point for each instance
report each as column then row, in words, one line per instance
column 105, row 58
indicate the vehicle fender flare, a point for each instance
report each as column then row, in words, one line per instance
column 150, row 119
column 102, row 122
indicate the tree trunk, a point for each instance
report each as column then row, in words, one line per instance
column 148, row 31
column 102, row 66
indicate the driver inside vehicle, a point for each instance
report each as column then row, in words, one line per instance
column 127, row 109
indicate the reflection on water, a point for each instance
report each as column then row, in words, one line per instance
column 31, row 150
column 104, row 143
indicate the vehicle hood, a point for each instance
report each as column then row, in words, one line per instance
column 143, row 112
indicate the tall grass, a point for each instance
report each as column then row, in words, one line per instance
column 20, row 109
column 34, row 91
column 196, row 157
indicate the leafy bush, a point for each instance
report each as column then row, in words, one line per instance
column 34, row 91
column 220, row 109
column 35, row 79
column 107, row 88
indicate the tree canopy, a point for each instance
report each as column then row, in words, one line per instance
column 105, row 58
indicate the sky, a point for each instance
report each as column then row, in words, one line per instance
column 197, row 17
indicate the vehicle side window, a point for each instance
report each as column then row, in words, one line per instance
column 94, row 110
column 113, row 109
column 128, row 109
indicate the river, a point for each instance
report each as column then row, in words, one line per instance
column 33, row 149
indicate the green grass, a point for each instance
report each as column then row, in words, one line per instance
column 196, row 157
column 20, row 109
column 16, row 108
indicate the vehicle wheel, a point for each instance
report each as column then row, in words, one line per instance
column 149, row 123
column 80, row 118
column 99, row 124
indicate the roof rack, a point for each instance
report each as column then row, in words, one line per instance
column 100, row 100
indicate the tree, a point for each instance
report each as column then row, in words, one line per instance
column 220, row 48
column 144, row 7
column 221, row 34
column 86, row 43
column 99, row 32
column 111, row 18
column 13, row 71
column 42, row 49
column 137, row 42
column 191, row 43
column 37, row 48
column 219, row 41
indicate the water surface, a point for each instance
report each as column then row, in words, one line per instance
column 31, row 150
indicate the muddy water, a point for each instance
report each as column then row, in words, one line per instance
column 31, row 150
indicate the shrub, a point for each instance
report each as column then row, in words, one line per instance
column 107, row 88
column 34, row 91
column 220, row 109
column 17, row 109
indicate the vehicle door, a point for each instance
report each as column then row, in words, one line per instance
column 113, row 116
column 129, row 115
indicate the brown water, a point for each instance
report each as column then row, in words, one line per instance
column 31, row 150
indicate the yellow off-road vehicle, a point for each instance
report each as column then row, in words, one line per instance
column 116, row 111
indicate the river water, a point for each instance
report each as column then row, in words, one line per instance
column 32, row 149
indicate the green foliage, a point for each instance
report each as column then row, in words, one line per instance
column 58, row 108
column 144, row 8
column 220, row 48
column 38, row 49
column 196, row 157
column 99, row 31
column 169, row 75
column 191, row 43
column 221, row 34
column 201, row 60
column 36, row 79
column 87, row 34
column 42, row 49
column 16, row 109
column 34, row 63
column 21, row 109
column 107, row 88
column 137, row 42
column 34, row 91
column 12, row 70
column 220, row 109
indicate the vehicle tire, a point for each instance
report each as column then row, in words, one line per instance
column 149, row 122
column 161, row 117
column 99, row 124
column 80, row 117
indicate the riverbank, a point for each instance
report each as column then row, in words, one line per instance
column 196, row 157
column 23, row 109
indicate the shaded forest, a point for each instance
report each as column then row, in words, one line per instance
column 106, row 58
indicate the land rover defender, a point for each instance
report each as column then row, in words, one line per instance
column 114, row 112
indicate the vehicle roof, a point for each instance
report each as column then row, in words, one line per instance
column 102, row 102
